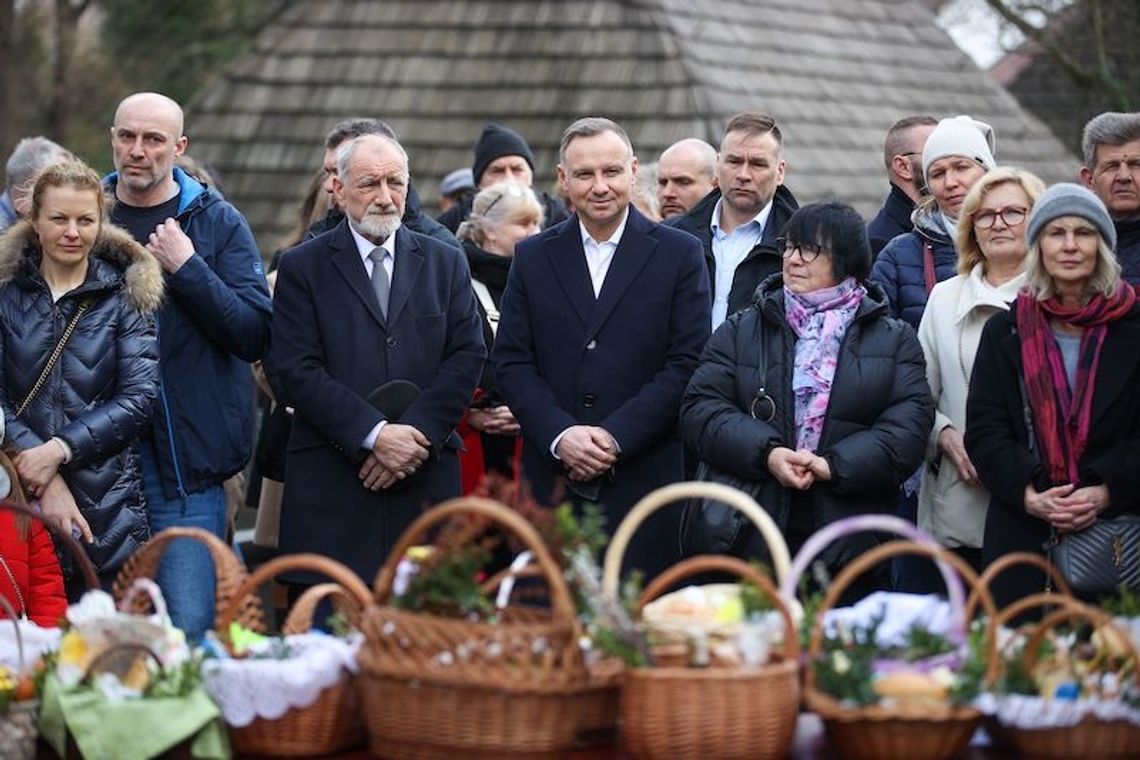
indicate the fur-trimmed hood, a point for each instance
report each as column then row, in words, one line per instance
column 142, row 277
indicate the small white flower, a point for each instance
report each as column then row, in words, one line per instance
column 539, row 645
column 445, row 659
column 840, row 662
column 494, row 650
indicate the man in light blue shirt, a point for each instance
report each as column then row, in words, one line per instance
column 739, row 221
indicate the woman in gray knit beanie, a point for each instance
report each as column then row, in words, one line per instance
column 1053, row 417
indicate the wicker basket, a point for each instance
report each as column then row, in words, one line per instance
column 229, row 573
column 598, row 702
column 18, row 721
column 438, row 687
column 333, row 723
column 1014, row 559
column 1092, row 737
column 904, row 731
column 682, row 712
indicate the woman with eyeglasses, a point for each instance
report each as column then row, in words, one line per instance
column 501, row 215
column 813, row 397
column 1053, row 412
column 991, row 269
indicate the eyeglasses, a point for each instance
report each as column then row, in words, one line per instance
column 809, row 252
column 1012, row 216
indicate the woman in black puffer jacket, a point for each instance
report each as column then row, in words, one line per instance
column 813, row 400
column 75, row 437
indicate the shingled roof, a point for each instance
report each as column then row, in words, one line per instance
column 834, row 73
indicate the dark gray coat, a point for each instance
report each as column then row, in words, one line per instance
column 99, row 396
column 878, row 418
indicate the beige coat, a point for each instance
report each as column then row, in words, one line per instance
column 949, row 510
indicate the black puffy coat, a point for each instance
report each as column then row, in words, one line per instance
column 878, row 418
column 900, row 270
column 100, row 394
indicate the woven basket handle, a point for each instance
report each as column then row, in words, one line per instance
column 15, row 617
column 1092, row 615
column 1025, row 604
column 655, row 500
column 826, row 535
column 114, row 649
column 228, row 570
column 1013, row 559
column 869, row 559
column 147, row 588
column 90, row 575
column 286, row 563
column 300, row 617
column 705, row 563
column 562, row 605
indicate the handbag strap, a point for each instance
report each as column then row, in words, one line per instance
column 55, row 354
column 484, row 296
column 929, row 278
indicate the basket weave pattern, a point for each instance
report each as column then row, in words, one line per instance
column 444, row 687
column 681, row 712
column 334, row 722
column 902, row 731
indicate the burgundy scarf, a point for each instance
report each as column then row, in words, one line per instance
column 1061, row 416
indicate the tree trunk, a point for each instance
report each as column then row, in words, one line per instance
column 67, row 15
column 7, row 75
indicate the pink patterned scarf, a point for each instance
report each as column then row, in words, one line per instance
column 819, row 320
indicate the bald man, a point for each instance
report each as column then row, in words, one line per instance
column 215, row 321
column 686, row 172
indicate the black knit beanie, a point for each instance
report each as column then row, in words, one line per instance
column 495, row 142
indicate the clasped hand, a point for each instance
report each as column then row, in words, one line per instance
column 1066, row 507
column 399, row 451
column 797, row 469
column 587, row 451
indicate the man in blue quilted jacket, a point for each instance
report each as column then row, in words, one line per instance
column 215, row 321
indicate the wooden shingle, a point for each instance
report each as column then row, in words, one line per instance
column 834, row 73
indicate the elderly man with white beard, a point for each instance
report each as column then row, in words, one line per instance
column 356, row 309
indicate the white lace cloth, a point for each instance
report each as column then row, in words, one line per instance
column 902, row 612
column 1019, row 711
column 37, row 642
column 254, row 688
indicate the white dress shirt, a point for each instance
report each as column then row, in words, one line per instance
column 364, row 248
column 729, row 250
column 599, row 256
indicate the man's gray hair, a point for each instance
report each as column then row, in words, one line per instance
column 31, row 156
column 345, row 152
column 1109, row 128
column 591, row 126
column 350, row 129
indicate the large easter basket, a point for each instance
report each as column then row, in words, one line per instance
column 333, row 722
column 684, row 712
column 442, row 687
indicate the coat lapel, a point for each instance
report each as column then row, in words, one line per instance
column 1117, row 367
column 346, row 259
column 632, row 254
column 568, row 259
column 409, row 259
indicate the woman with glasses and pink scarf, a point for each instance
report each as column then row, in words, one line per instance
column 813, row 399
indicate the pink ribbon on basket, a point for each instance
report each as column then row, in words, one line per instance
column 823, row 538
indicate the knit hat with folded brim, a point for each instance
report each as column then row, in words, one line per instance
column 959, row 136
column 495, row 142
column 1068, row 199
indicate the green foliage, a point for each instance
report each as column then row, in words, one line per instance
column 1124, row 603
column 968, row 685
column 754, row 599
column 449, row 584
column 846, row 664
column 179, row 680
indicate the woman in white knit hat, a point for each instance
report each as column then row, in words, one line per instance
column 956, row 155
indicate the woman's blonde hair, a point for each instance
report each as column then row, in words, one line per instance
column 70, row 172
column 496, row 205
column 1105, row 278
column 966, row 239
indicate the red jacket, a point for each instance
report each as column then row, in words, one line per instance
column 33, row 564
